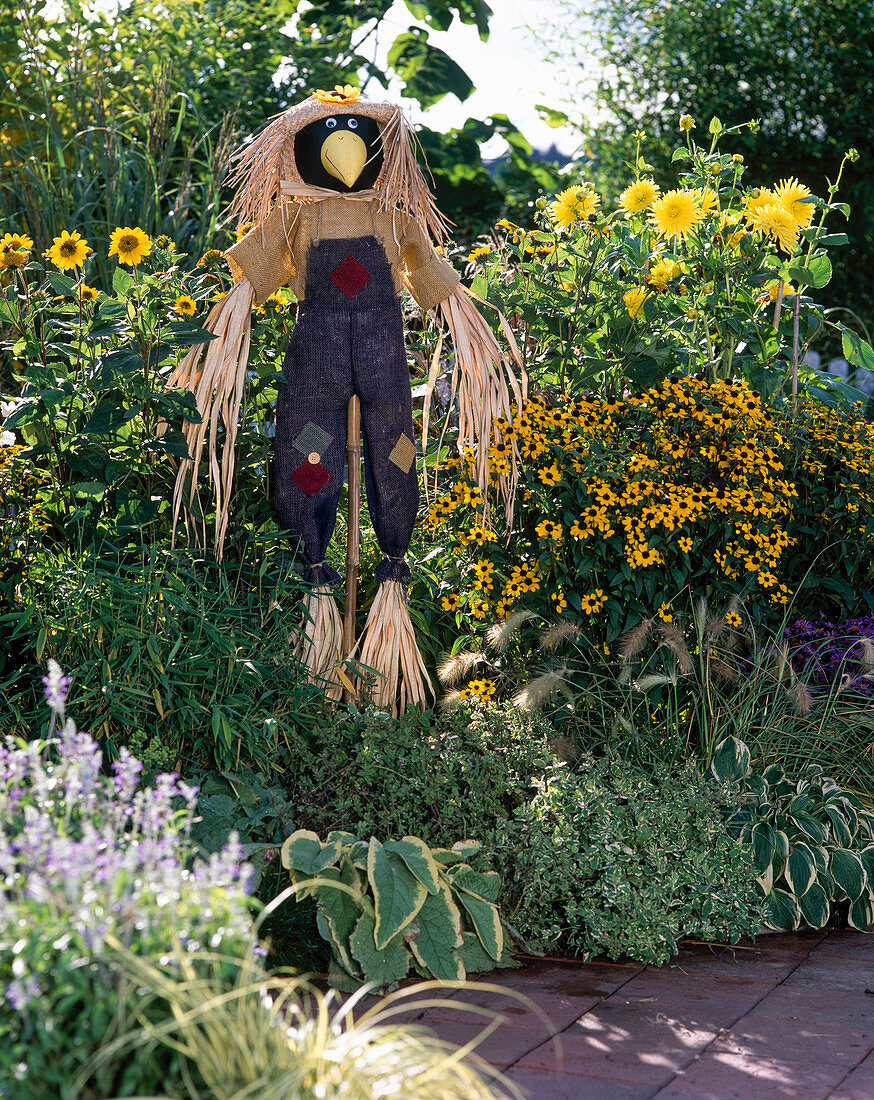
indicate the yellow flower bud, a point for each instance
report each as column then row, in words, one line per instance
column 687, row 123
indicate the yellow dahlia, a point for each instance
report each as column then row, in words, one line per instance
column 790, row 192
column 639, row 196
column 776, row 221
column 708, row 200
column 130, row 245
column 675, row 213
column 634, row 300
column 663, row 272
column 755, row 202
column 574, row 204
column 68, row 251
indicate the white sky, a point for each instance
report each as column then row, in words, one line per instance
column 508, row 70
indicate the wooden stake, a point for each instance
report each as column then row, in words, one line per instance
column 353, row 526
column 795, row 325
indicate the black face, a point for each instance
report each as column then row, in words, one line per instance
column 310, row 141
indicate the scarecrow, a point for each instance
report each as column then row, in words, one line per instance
column 342, row 215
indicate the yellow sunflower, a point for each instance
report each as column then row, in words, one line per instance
column 243, row 228
column 639, row 196
column 18, row 242
column 478, row 253
column 185, row 305
column 12, row 257
column 675, row 213
column 68, row 251
column 87, row 293
column 790, row 193
column 574, row 204
column 130, row 245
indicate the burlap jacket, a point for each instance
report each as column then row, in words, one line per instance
column 274, row 254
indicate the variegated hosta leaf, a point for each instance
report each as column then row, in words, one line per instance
column 814, row 906
column 812, row 829
column 861, row 913
column 867, row 858
column 397, row 895
column 848, row 872
column 764, row 842
column 782, row 911
column 840, row 827
column 800, row 873
column 731, row 760
column 781, row 852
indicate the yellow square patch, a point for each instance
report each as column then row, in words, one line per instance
column 403, row 453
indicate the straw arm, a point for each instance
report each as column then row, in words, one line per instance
column 216, row 374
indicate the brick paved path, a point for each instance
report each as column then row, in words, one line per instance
column 792, row 1016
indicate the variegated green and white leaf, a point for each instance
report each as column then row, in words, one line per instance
column 485, row 884
column 486, row 921
column 840, row 828
column 763, row 841
column 815, row 907
column 438, row 938
column 781, row 852
column 813, row 830
column 800, row 873
column 417, row 856
column 861, row 914
column 731, row 760
column 848, row 872
column 782, row 911
column 300, row 851
column 382, row 967
column 397, row 894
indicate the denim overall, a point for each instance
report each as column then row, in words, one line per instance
column 348, row 339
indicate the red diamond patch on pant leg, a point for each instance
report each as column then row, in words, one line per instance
column 310, row 477
column 350, row 276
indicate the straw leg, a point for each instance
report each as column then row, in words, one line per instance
column 353, row 527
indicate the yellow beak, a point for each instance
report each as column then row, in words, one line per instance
column 344, row 154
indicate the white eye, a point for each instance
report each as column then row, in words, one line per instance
column 352, row 123
column 330, row 123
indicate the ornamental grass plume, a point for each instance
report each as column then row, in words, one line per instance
column 457, row 666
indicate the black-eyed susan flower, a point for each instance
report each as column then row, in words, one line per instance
column 550, row 475
column 685, row 544
column 664, row 613
column 185, row 305
column 68, row 251
column 451, row 602
column 130, row 245
column 559, row 601
column 549, row 530
column 592, row 602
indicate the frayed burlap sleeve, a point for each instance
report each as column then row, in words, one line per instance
column 264, row 255
column 431, row 279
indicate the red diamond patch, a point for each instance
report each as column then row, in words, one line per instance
column 350, row 276
column 310, row 477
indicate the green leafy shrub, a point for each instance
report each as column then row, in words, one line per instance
column 611, row 862
column 812, row 842
column 385, row 907
column 438, row 777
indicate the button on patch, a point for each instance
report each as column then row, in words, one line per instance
column 310, row 478
column 350, row 276
column 403, row 453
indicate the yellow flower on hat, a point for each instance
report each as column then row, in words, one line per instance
column 342, row 93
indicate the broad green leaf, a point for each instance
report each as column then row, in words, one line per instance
column 428, row 72
column 808, row 825
column 438, row 937
column 397, row 894
column 848, row 872
column 731, row 760
column 781, row 911
column 551, row 116
column 867, row 858
column 764, row 844
column 861, row 914
column 473, row 954
column 300, row 851
column 766, row 879
column 62, row 284
column 485, row 884
column 417, row 856
column 328, row 856
column 340, row 909
column 485, row 920
column 839, row 826
column 381, row 967
column 814, row 907
column 820, row 268
column 122, row 281
column 466, row 848
column 800, row 873
column 857, row 351
column 446, row 857
column 781, row 852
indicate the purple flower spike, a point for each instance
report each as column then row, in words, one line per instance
column 56, row 685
